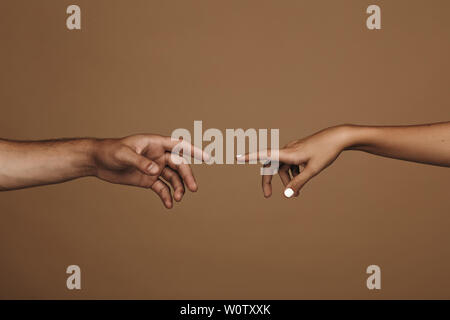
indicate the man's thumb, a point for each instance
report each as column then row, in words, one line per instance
column 140, row 162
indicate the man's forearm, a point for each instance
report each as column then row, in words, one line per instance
column 26, row 164
column 422, row 143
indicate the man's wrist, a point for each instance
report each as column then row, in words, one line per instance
column 85, row 151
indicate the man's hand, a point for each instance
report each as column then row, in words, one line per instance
column 146, row 161
column 140, row 160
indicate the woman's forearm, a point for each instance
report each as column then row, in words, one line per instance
column 429, row 143
column 26, row 164
column 301, row 160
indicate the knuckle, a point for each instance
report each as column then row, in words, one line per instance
column 144, row 183
column 166, row 173
column 161, row 190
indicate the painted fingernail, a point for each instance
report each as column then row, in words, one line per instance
column 288, row 192
column 240, row 158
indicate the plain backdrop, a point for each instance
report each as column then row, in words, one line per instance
column 299, row 66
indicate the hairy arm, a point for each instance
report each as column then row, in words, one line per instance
column 144, row 160
column 26, row 164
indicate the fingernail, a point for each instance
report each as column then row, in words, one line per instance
column 240, row 158
column 288, row 192
column 152, row 168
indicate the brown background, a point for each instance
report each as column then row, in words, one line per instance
column 153, row 66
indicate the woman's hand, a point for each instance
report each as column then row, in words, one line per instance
column 302, row 159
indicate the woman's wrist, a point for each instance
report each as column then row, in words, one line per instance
column 355, row 137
